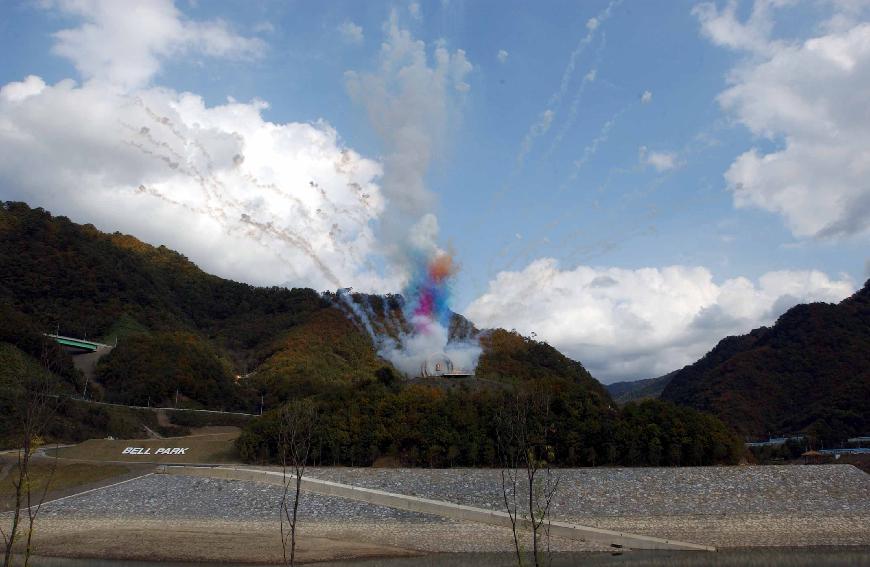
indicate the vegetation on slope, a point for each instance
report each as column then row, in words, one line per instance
column 809, row 372
column 88, row 284
column 73, row 421
column 417, row 425
column 639, row 390
column 152, row 369
column 182, row 330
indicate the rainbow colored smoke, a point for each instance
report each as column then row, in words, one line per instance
column 428, row 292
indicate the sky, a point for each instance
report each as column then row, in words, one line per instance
column 630, row 181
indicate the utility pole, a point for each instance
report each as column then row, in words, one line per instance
column 176, row 397
column 261, row 404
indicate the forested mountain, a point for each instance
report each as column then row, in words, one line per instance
column 221, row 344
column 649, row 388
column 809, row 372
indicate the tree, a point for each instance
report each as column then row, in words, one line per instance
column 35, row 408
column 295, row 433
column 523, row 428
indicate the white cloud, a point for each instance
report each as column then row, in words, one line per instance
column 626, row 324
column 502, row 56
column 123, row 44
column 351, row 33
column 724, row 28
column 661, row 161
column 646, row 97
column 810, row 95
column 243, row 197
column 18, row 91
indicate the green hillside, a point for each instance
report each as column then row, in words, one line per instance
column 809, row 372
column 187, row 337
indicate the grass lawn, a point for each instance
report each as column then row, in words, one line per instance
column 215, row 445
column 64, row 477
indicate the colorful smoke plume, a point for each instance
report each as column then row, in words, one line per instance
column 424, row 331
column 427, row 309
column 428, row 292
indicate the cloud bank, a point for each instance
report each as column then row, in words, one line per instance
column 245, row 198
column 628, row 324
column 808, row 95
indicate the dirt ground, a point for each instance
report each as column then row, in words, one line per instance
column 190, row 540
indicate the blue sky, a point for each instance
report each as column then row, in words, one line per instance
column 543, row 177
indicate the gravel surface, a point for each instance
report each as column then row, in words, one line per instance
column 182, row 497
column 820, row 490
column 721, row 506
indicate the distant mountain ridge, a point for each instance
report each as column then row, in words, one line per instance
column 646, row 389
column 808, row 372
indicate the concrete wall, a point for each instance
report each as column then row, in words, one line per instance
column 437, row 507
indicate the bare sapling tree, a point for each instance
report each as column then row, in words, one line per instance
column 296, row 430
column 528, row 482
column 35, row 406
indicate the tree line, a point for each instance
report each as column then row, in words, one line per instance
column 424, row 426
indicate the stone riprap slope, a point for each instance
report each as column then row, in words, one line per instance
column 190, row 498
column 723, row 507
column 718, row 506
column 156, row 503
column 642, row 491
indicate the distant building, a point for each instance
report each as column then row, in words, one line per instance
column 439, row 364
column 776, row 441
column 846, row 451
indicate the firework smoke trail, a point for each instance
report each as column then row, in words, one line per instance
column 373, row 315
column 218, row 204
column 364, row 319
column 296, row 240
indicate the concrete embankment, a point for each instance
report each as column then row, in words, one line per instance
column 438, row 507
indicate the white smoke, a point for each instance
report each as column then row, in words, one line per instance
column 411, row 353
column 410, row 99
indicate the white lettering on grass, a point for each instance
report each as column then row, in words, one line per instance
column 158, row 451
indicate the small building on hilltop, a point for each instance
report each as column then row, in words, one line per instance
column 439, row 364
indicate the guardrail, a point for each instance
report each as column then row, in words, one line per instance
column 86, row 401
